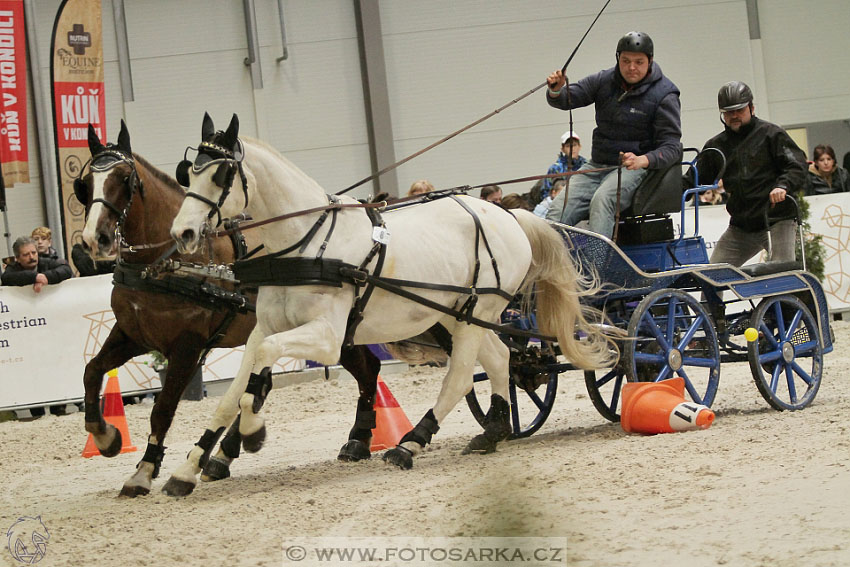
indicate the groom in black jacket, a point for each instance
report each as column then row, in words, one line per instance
column 763, row 165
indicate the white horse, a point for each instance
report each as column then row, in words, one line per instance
column 433, row 242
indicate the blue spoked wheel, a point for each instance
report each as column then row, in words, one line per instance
column 671, row 334
column 531, row 401
column 787, row 358
column 604, row 387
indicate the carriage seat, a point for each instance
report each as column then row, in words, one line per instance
column 647, row 219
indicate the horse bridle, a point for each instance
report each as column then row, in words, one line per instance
column 104, row 162
column 228, row 163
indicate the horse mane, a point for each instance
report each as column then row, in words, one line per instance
column 274, row 151
column 159, row 174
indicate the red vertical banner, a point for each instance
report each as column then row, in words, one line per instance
column 76, row 70
column 13, row 93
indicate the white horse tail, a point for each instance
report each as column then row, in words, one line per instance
column 584, row 340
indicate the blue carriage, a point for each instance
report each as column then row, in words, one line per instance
column 680, row 315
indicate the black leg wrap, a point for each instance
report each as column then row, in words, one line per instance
column 260, row 385
column 365, row 420
column 153, row 454
column 232, row 442
column 423, row 431
column 207, row 442
column 497, row 427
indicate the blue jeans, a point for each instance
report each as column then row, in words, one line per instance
column 593, row 196
column 736, row 246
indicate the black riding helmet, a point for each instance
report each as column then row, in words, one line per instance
column 637, row 42
column 734, row 95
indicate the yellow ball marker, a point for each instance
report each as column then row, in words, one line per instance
column 751, row 334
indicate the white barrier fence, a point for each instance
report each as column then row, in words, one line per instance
column 46, row 339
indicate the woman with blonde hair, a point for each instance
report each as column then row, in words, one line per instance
column 420, row 187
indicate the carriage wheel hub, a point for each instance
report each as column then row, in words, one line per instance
column 674, row 359
column 787, row 351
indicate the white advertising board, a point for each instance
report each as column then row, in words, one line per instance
column 47, row 338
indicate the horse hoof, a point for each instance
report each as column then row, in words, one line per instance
column 254, row 442
column 115, row 446
column 400, row 457
column 129, row 491
column 177, row 487
column 480, row 444
column 354, row 450
column 216, row 469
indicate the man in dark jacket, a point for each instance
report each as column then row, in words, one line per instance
column 763, row 165
column 638, row 121
column 30, row 269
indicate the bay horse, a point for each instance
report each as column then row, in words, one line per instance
column 130, row 204
column 308, row 285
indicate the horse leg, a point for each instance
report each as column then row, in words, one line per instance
column 495, row 358
column 466, row 341
column 317, row 340
column 116, row 350
column 182, row 362
column 183, row 480
column 218, row 466
column 364, row 366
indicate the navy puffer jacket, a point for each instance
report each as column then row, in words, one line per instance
column 642, row 119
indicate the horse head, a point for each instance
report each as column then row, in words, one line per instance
column 107, row 191
column 210, row 178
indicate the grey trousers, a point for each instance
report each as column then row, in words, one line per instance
column 736, row 246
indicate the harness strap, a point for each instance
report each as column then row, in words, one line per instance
column 133, row 276
column 355, row 316
column 350, row 272
column 480, row 231
column 215, row 207
column 452, row 288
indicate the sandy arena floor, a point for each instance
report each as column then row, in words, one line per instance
column 759, row 488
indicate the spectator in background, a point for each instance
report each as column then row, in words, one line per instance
column 420, row 187
column 515, row 201
column 825, row 174
column 568, row 160
column 88, row 266
column 31, row 269
column 43, row 238
column 543, row 206
column 846, row 162
column 492, row 194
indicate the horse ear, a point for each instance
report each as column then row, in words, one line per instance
column 95, row 146
column 124, row 139
column 207, row 128
column 232, row 133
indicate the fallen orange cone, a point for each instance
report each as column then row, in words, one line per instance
column 660, row 407
column 112, row 405
column 391, row 424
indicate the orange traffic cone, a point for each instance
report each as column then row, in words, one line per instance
column 113, row 413
column 390, row 422
column 660, row 407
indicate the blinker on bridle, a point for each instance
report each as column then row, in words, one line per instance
column 103, row 162
column 228, row 163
